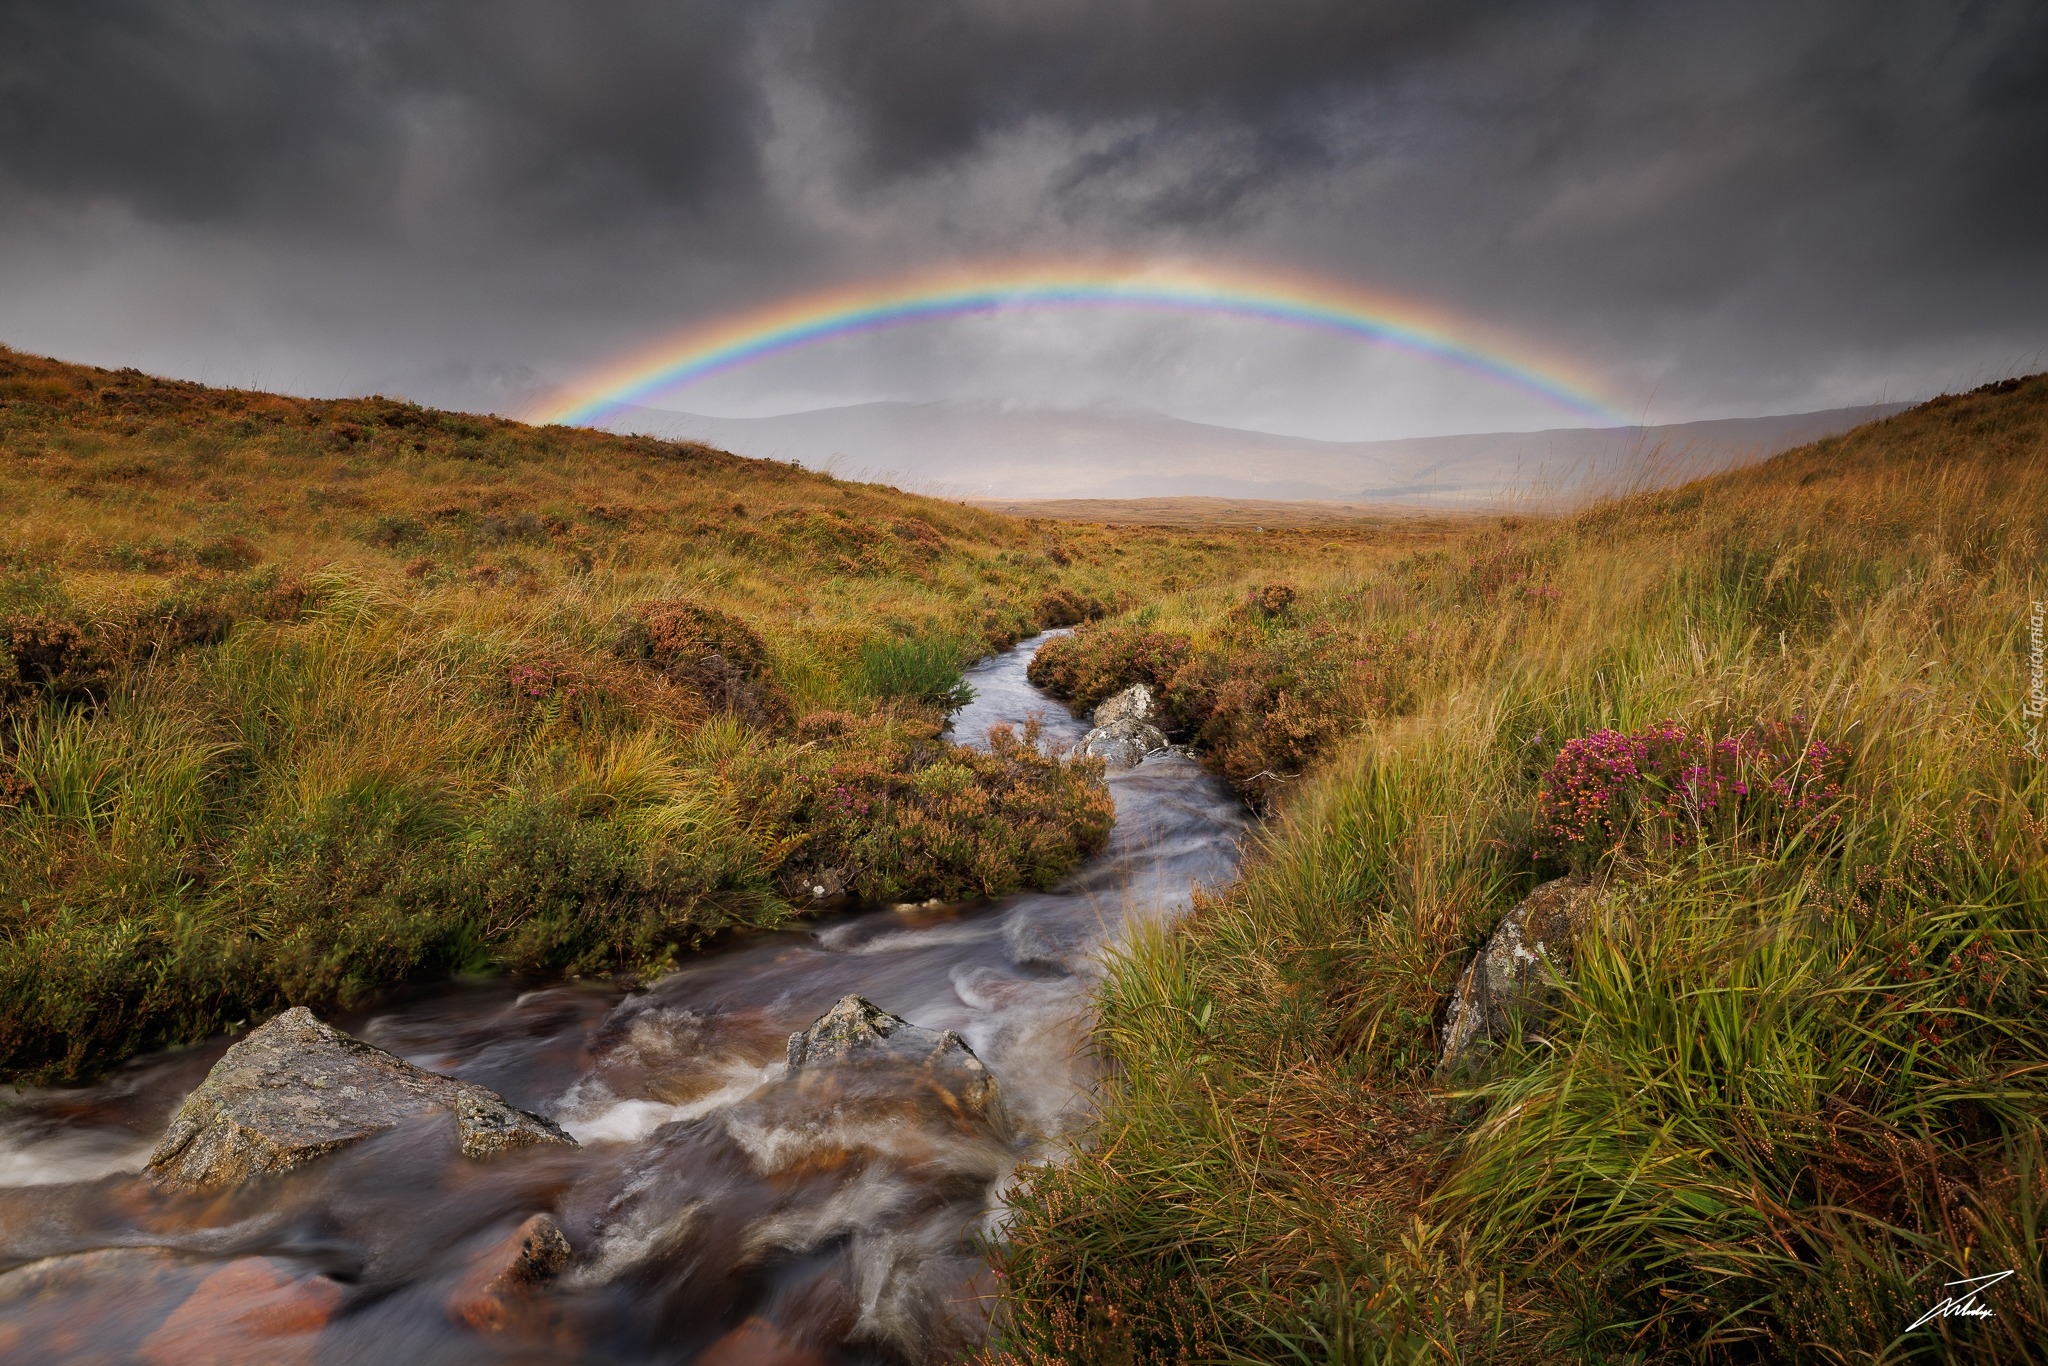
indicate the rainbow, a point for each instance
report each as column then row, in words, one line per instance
column 1265, row 295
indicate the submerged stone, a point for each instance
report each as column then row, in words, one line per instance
column 298, row 1088
column 509, row 1274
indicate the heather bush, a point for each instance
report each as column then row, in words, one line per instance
column 1262, row 696
column 51, row 656
column 1093, row 664
column 1270, row 600
column 890, row 811
column 1062, row 606
column 1668, row 786
column 713, row 653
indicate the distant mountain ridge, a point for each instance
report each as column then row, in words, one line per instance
column 986, row 450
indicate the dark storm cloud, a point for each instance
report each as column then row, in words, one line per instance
column 226, row 110
column 929, row 81
column 1478, row 106
column 1735, row 205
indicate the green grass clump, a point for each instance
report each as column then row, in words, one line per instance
column 924, row 669
column 1798, row 1076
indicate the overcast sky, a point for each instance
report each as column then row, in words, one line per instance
column 1719, row 209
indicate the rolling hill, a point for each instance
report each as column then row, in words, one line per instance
column 983, row 450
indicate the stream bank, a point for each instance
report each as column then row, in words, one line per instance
column 716, row 1210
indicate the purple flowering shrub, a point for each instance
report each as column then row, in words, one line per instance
column 1670, row 787
column 537, row 680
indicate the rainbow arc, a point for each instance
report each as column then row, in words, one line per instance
column 1276, row 297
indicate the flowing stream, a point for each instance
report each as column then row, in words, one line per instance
column 710, row 1223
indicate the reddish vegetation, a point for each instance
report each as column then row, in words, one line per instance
column 1089, row 666
column 712, row 653
column 1671, row 786
column 1271, row 600
column 883, row 809
column 1062, row 606
column 1262, row 699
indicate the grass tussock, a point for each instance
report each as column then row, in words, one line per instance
column 300, row 699
column 1797, row 1078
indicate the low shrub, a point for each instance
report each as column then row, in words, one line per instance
column 890, row 811
column 1091, row 665
column 1667, row 786
column 49, row 655
column 713, row 653
column 1261, row 699
column 1062, row 606
column 393, row 532
column 1270, row 601
column 227, row 553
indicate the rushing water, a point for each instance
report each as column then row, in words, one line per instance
column 716, row 1216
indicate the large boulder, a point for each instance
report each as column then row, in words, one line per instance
column 1510, row 981
column 856, row 1035
column 1126, row 729
column 298, row 1088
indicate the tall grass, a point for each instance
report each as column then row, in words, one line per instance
column 1797, row 1077
column 923, row 669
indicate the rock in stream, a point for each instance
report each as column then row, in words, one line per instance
column 298, row 1088
column 856, row 1032
column 1126, row 730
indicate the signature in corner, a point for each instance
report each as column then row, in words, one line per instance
column 1964, row 1305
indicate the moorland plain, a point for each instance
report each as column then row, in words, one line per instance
column 306, row 699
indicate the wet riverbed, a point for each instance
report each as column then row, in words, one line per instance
column 717, row 1213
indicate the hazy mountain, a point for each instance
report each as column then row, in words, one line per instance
column 983, row 450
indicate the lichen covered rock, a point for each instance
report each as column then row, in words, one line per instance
column 857, row 1034
column 298, row 1088
column 1126, row 730
column 1510, row 980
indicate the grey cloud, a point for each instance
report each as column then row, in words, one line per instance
column 1731, row 206
column 932, row 79
column 239, row 110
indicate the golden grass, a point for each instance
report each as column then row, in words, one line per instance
column 1795, row 1084
column 305, row 697
column 1194, row 511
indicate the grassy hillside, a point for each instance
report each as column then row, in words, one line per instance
column 1799, row 1075
column 300, row 699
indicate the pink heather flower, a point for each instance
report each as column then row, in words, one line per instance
column 1663, row 778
